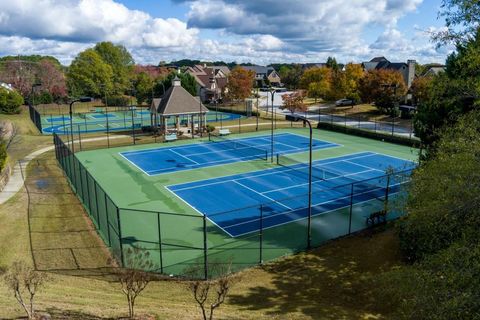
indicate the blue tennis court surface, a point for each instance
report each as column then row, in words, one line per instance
column 233, row 202
column 164, row 160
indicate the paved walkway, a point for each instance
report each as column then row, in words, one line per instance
column 15, row 183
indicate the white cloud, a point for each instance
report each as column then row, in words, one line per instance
column 260, row 31
column 90, row 21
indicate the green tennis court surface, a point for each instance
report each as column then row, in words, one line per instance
column 172, row 229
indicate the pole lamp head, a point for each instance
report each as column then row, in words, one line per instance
column 85, row 99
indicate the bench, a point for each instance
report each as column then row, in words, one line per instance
column 224, row 132
column 170, row 137
column 376, row 218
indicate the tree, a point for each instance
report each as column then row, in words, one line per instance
column 317, row 82
column 462, row 19
column 420, row 89
column 293, row 102
column 353, row 74
column 437, row 215
column 10, row 101
column 332, row 63
column 210, row 294
column 89, row 75
column 20, row 74
column 121, row 62
column 439, row 234
column 451, row 94
column 187, row 80
column 240, row 83
column 52, row 79
column 291, row 76
column 134, row 278
column 24, row 282
column 337, row 85
column 384, row 87
column 144, row 88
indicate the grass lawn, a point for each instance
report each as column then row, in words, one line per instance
column 335, row 281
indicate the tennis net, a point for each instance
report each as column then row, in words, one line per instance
column 332, row 177
column 240, row 147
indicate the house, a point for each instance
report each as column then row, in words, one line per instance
column 306, row 66
column 433, row 70
column 265, row 76
column 211, row 81
column 406, row 69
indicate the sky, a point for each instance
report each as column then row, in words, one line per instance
column 257, row 31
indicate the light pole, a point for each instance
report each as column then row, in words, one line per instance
column 82, row 99
column 213, row 82
column 132, row 108
column 309, row 225
column 106, row 114
column 272, row 92
column 32, row 99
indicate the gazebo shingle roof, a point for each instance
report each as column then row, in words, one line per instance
column 178, row 101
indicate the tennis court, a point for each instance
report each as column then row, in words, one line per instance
column 241, row 210
column 113, row 121
column 282, row 191
column 217, row 152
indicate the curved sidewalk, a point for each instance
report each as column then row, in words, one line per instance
column 15, row 182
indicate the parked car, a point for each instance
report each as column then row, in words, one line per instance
column 345, row 102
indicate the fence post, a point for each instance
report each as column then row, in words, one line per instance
column 79, row 138
column 119, row 236
column 88, row 192
column 133, row 128
column 261, row 234
column 96, row 201
column 160, row 241
column 108, row 222
column 387, row 191
column 351, row 211
column 80, row 176
column 205, row 246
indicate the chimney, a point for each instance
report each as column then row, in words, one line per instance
column 410, row 72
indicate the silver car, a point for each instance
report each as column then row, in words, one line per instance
column 344, row 102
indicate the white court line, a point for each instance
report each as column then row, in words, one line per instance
column 313, row 137
column 261, row 194
column 132, row 163
column 361, row 165
column 319, row 181
column 194, row 145
column 201, row 213
column 274, row 170
column 171, row 150
column 204, row 165
column 313, row 205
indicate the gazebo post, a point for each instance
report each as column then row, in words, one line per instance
column 193, row 127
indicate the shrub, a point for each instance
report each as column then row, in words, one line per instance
column 3, row 155
column 118, row 101
column 10, row 101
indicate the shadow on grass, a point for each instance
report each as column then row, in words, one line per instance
column 333, row 282
column 74, row 315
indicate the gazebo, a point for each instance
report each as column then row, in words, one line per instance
column 177, row 102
